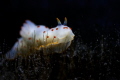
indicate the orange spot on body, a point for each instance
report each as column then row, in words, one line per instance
column 65, row 27
column 29, row 38
column 47, row 36
column 52, row 29
column 56, row 28
column 54, row 36
column 44, row 31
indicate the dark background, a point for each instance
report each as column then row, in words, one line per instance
column 92, row 17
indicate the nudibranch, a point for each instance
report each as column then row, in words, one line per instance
column 39, row 37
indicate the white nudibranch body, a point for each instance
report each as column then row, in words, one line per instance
column 39, row 37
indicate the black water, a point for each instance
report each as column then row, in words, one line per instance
column 94, row 23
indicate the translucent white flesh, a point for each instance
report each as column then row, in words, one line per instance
column 39, row 37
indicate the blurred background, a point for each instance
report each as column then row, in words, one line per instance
column 91, row 17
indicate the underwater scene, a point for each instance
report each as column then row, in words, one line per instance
column 60, row 40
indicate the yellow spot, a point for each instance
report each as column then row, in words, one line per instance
column 44, row 46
